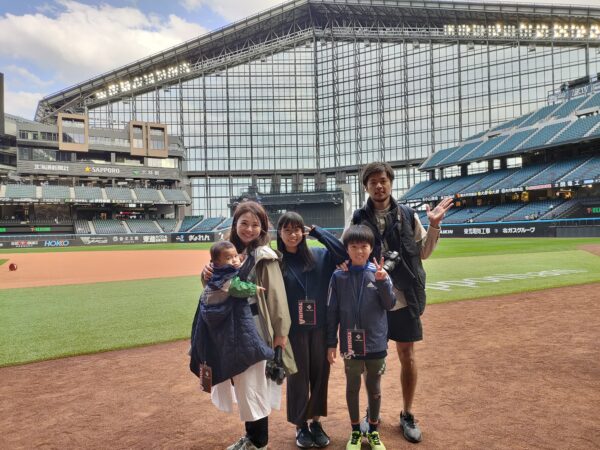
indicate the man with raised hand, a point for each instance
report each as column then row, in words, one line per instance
column 403, row 242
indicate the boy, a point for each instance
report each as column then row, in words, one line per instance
column 225, row 281
column 357, row 304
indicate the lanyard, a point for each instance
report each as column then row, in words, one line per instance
column 358, row 300
column 302, row 285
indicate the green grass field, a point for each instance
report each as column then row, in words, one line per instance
column 52, row 322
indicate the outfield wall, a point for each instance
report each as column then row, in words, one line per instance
column 538, row 228
column 95, row 240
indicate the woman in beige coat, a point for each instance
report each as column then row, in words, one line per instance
column 254, row 393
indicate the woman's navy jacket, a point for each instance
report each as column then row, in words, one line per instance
column 224, row 337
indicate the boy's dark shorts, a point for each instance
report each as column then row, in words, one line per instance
column 403, row 327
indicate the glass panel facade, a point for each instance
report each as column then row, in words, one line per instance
column 337, row 105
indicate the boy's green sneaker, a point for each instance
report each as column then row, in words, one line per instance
column 374, row 441
column 355, row 441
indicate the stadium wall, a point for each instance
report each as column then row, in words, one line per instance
column 63, row 241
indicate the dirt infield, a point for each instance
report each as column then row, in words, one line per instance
column 592, row 248
column 58, row 268
column 518, row 371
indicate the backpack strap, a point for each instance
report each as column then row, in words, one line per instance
column 408, row 215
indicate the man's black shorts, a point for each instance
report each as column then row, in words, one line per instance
column 403, row 327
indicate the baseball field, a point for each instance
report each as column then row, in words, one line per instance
column 93, row 350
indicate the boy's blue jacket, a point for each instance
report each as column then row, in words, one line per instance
column 224, row 335
column 342, row 307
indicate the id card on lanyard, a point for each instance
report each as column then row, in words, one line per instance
column 307, row 312
column 205, row 378
column 357, row 342
column 307, row 308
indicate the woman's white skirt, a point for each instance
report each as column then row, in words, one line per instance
column 254, row 394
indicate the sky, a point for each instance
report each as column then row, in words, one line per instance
column 49, row 45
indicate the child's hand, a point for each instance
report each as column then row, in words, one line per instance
column 260, row 289
column 380, row 274
column 207, row 272
column 331, row 355
column 343, row 266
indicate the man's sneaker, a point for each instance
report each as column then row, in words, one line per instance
column 304, row 439
column 409, row 427
column 355, row 441
column 374, row 441
column 319, row 436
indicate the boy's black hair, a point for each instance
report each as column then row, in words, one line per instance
column 358, row 233
column 217, row 248
column 376, row 167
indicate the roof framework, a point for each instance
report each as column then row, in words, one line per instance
column 300, row 21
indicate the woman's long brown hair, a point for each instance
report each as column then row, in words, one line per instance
column 257, row 210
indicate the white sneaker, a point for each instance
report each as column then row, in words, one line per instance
column 245, row 444
column 240, row 444
column 250, row 446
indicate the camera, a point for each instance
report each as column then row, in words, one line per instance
column 391, row 259
column 274, row 370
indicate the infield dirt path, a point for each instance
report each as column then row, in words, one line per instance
column 57, row 268
column 511, row 372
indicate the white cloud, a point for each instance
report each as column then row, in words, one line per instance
column 81, row 41
column 232, row 9
column 21, row 103
column 24, row 77
column 75, row 42
column 192, row 5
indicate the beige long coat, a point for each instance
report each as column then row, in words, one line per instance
column 272, row 304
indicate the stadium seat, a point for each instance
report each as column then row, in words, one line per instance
column 207, row 224
column 21, row 191
column 56, row 193
column 189, row 222
column 147, row 195
column 109, row 227
column 88, row 193
column 167, row 225
column 589, row 170
column 142, row 226
column 118, row 194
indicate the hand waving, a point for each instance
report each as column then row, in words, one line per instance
column 380, row 274
column 436, row 214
